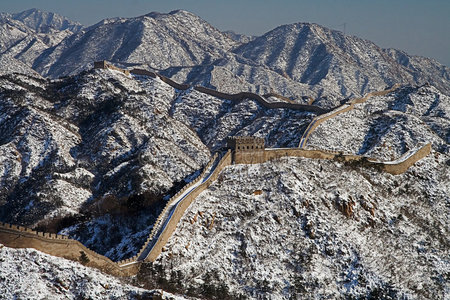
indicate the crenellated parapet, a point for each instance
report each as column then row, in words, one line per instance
column 20, row 229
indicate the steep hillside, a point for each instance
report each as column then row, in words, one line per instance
column 315, row 55
column 315, row 229
column 215, row 119
column 388, row 126
column 156, row 40
column 11, row 65
column 79, row 150
column 99, row 136
column 30, row 274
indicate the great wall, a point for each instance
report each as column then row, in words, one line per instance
column 242, row 150
column 233, row 97
column 339, row 110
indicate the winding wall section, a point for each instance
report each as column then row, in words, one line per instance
column 395, row 167
column 234, row 97
column 60, row 245
column 339, row 110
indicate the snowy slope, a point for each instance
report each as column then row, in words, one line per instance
column 11, row 65
column 215, row 119
column 99, row 137
column 388, row 126
column 30, row 274
column 296, row 239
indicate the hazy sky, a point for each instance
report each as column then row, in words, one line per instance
column 420, row 27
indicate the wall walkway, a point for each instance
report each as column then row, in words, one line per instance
column 396, row 167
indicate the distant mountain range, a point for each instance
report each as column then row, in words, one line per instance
column 294, row 60
column 43, row 22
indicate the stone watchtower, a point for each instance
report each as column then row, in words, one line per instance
column 247, row 150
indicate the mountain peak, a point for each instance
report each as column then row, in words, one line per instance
column 180, row 12
column 177, row 12
column 45, row 21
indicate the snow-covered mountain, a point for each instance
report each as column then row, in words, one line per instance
column 317, row 56
column 155, row 40
column 313, row 229
column 294, row 60
column 43, row 22
column 23, row 37
column 95, row 136
column 387, row 126
column 103, row 137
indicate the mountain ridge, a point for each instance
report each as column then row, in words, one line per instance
column 299, row 59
